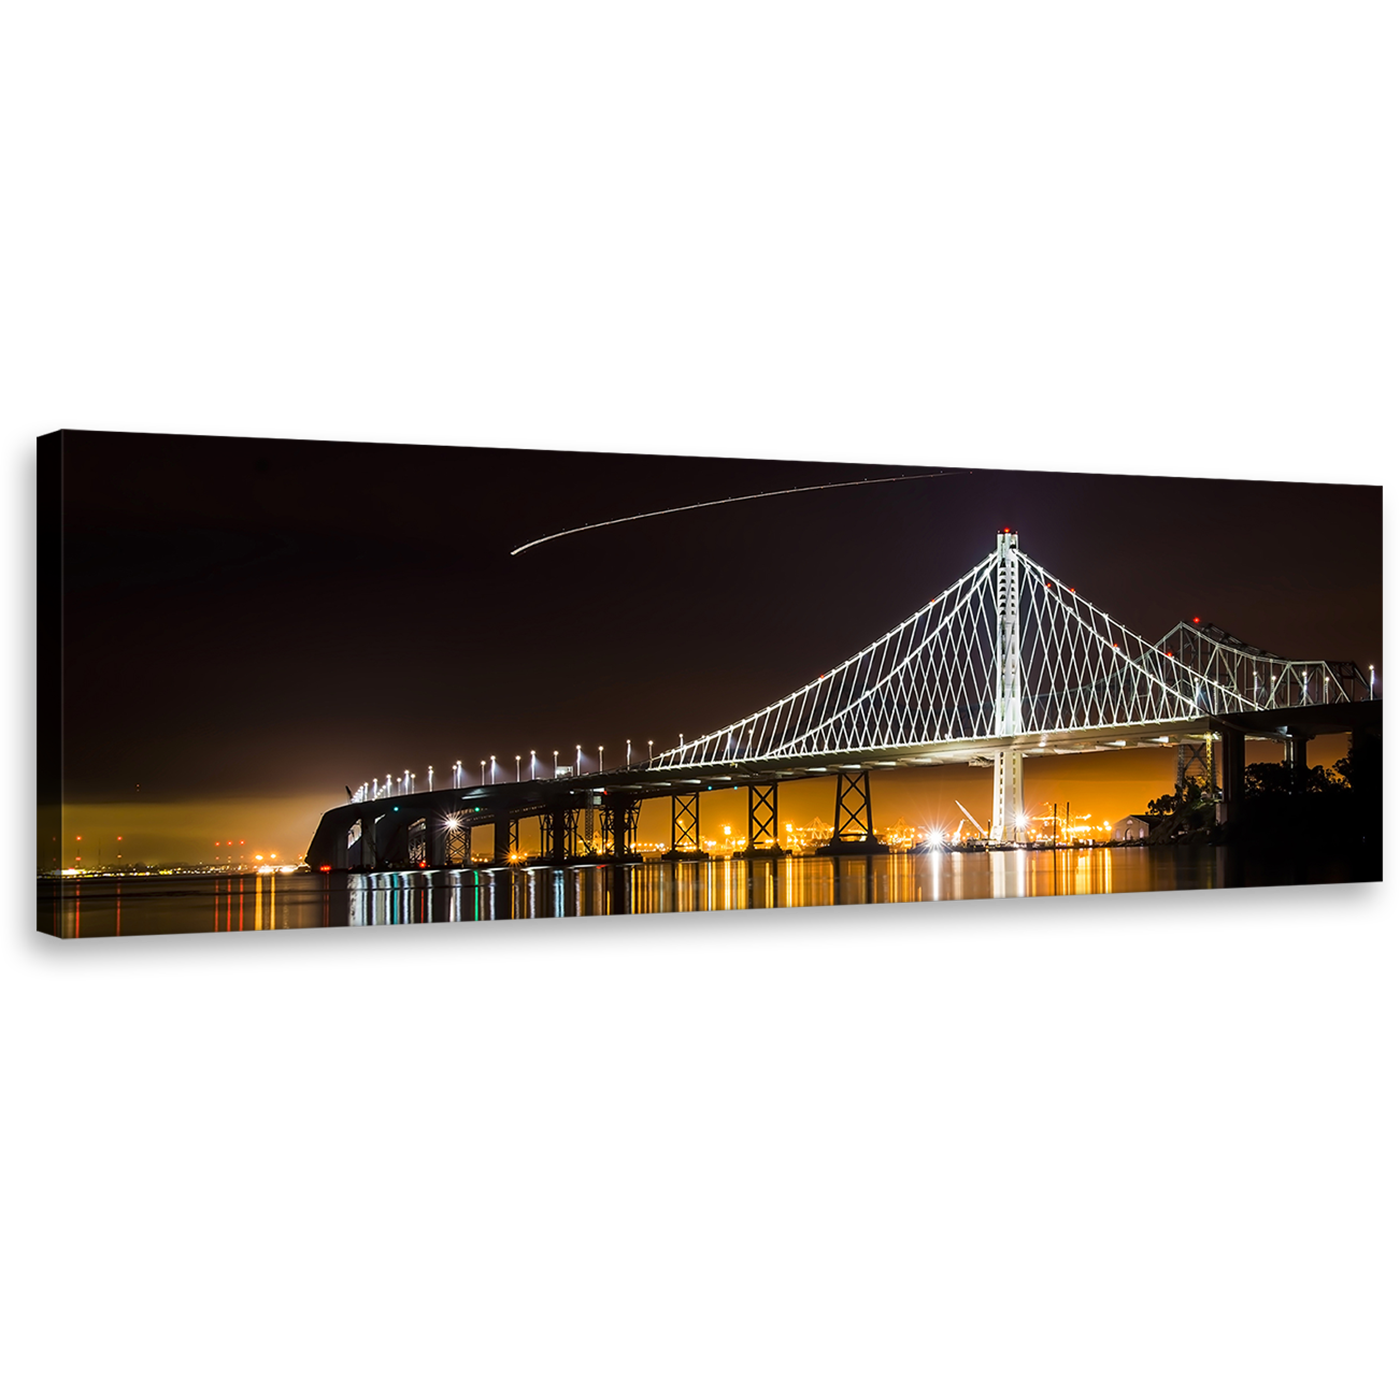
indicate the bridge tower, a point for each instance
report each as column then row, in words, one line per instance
column 1008, row 800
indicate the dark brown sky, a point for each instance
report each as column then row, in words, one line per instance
column 264, row 622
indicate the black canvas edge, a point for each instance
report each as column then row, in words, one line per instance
column 48, row 634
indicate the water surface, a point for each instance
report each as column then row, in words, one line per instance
column 114, row 906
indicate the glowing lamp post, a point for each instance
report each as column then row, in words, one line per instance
column 517, row 768
column 532, row 765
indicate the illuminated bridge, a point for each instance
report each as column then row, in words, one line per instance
column 1005, row 665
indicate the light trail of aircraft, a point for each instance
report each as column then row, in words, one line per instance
column 725, row 501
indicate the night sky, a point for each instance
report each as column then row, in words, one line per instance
column 251, row 626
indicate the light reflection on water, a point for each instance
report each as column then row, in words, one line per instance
column 103, row 907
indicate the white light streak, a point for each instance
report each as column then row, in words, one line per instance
column 730, row 500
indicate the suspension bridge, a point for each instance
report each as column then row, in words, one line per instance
column 1006, row 665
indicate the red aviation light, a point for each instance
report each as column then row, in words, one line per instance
column 1169, row 653
column 1196, row 620
column 325, row 870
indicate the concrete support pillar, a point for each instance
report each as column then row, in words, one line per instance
column 1230, row 748
column 1295, row 760
column 500, row 852
column 437, row 840
column 558, row 835
column 622, row 820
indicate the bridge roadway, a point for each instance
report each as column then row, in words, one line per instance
column 385, row 833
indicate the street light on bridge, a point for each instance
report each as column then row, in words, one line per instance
column 430, row 777
column 532, row 765
column 600, row 758
column 556, row 763
column 493, row 768
column 457, row 773
column 483, row 772
column 578, row 758
column 648, row 750
column 517, row 768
